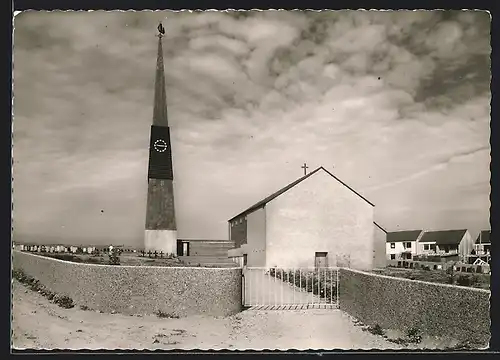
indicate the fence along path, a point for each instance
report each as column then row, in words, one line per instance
column 276, row 289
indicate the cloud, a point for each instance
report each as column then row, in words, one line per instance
column 394, row 103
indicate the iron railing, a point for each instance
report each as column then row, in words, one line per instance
column 297, row 286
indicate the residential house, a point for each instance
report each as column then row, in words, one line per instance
column 402, row 244
column 446, row 243
column 482, row 248
column 315, row 221
column 482, row 245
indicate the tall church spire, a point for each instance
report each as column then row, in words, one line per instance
column 160, row 117
column 160, row 228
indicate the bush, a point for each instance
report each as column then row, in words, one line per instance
column 376, row 330
column 467, row 280
column 165, row 315
column 64, row 301
column 414, row 335
column 114, row 258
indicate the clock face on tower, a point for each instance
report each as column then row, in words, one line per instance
column 160, row 154
column 160, row 145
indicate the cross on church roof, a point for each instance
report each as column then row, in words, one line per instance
column 305, row 167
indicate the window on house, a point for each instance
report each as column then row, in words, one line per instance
column 433, row 247
column 245, row 259
column 393, row 245
column 426, row 246
column 393, row 256
column 408, row 245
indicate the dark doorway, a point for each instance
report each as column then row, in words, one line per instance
column 179, row 247
column 321, row 260
column 182, row 248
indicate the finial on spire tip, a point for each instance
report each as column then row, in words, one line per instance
column 161, row 30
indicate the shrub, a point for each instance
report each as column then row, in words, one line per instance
column 64, row 301
column 114, row 258
column 376, row 330
column 165, row 315
column 464, row 280
column 414, row 335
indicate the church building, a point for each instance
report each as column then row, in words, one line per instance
column 316, row 221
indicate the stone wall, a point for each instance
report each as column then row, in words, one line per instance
column 435, row 309
column 180, row 291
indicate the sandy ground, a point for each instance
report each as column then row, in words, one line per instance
column 39, row 324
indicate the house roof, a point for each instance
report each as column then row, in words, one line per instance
column 484, row 237
column 444, row 237
column 380, row 227
column 406, row 235
column 274, row 195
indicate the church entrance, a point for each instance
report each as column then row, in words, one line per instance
column 182, row 248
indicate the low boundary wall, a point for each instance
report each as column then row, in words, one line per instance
column 435, row 309
column 180, row 291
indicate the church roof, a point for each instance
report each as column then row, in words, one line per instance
column 274, row 195
column 444, row 237
column 160, row 117
column 380, row 227
column 405, row 235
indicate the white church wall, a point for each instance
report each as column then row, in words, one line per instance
column 256, row 238
column 319, row 215
column 379, row 249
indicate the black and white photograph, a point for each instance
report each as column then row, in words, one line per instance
column 251, row 180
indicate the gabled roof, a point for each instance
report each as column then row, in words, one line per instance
column 274, row 195
column 444, row 237
column 484, row 237
column 380, row 227
column 406, row 235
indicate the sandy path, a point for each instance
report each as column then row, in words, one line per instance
column 37, row 323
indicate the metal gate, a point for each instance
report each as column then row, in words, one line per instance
column 300, row 288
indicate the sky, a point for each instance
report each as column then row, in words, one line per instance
column 394, row 103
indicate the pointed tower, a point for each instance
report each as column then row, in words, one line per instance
column 161, row 230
